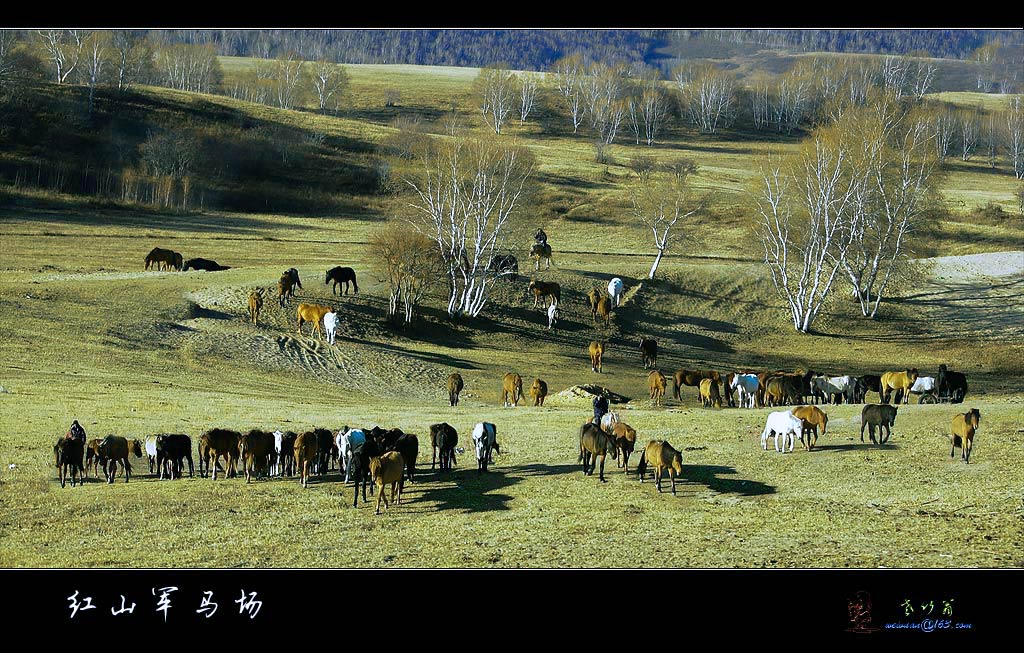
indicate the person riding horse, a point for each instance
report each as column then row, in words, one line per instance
column 76, row 432
column 541, row 237
column 600, row 408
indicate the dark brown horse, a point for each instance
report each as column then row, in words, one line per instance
column 216, row 443
column 114, row 449
column 68, row 455
column 443, row 438
column 594, row 444
column 163, row 259
column 341, row 276
column 455, row 386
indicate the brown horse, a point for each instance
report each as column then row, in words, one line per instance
column 593, row 297
column 314, row 314
column 305, row 455
column 964, row 427
column 216, row 443
column 812, row 417
column 709, row 395
column 604, row 311
column 899, row 381
column 624, row 436
column 255, row 304
column 443, row 438
column 594, row 444
column 254, row 449
column 163, row 259
column 596, row 351
column 550, row 291
column 511, row 389
column 67, row 455
column 388, row 469
column 538, row 391
column 660, row 455
column 116, row 449
column 656, row 382
column 92, row 457
column 692, row 378
column 541, row 251
column 455, row 386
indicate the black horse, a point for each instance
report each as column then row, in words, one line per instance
column 171, row 450
column 360, row 463
column 340, row 275
column 953, row 384
column 204, row 264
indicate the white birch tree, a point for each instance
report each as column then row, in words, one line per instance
column 330, row 81
column 496, row 90
column 660, row 201
column 569, row 81
column 528, row 83
column 1014, row 117
column 63, row 47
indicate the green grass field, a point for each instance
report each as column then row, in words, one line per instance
column 85, row 333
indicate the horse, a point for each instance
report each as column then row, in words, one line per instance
column 485, row 438
column 964, row 427
column 899, row 381
column 709, row 395
column 455, row 385
column 661, row 455
column 812, row 417
column 692, row 378
column 511, row 389
column 204, row 264
column 649, row 352
column 596, row 351
column 306, row 447
column 339, row 276
column 346, row 440
column 604, row 311
column 68, row 454
column 656, row 382
column 314, row 314
column 552, row 315
column 388, row 469
column 867, row 383
column 92, row 457
column 114, row 448
column 785, row 424
column 541, row 251
column 443, row 438
column 538, row 391
column 286, row 285
column 361, row 456
column 615, row 291
column 551, row 292
column 594, row 443
column 608, row 421
column 746, row 386
column 171, row 450
column 330, row 325
column 163, row 258
column 255, row 304
column 216, row 443
column 881, row 415
column 624, row 437
column 593, row 297
column 953, row 384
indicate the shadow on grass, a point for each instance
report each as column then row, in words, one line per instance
column 709, row 475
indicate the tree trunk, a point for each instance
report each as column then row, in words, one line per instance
column 657, row 262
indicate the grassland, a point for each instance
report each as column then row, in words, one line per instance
column 85, row 333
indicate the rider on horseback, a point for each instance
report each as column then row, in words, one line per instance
column 541, row 237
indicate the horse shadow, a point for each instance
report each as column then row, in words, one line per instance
column 466, row 490
column 709, row 475
column 854, row 447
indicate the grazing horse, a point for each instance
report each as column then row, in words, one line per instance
column 552, row 315
column 216, row 443
column 812, row 417
column 443, row 438
column 254, row 449
column 68, row 454
column 361, row 456
column 881, row 415
column 314, row 314
column 551, row 292
column 899, row 381
column 149, row 444
column 330, row 324
column 255, row 304
column 485, row 438
column 204, row 264
column 867, row 383
column 596, row 351
column 92, row 457
column 347, row 440
column 660, row 455
column 286, row 285
column 656, row 382
column 171, row 450
column 511, row 389
column 538, row 391
column 541, row 251
column 594, row 444
column 604, row 311
column 624, row 437
column 593, row 297
column 325, row 451
column 341, row 276
column 306, row 448
column 692, row 378
column 163, row 259
column 746, row 386
column 114, row 448
column 964, row 427
column 504, row 265
column 455, row 386
column 709, row 395
column 615, row 291
column 782, row 423
column 649, row 352
column 387, row 469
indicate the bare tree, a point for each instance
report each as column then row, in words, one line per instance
column 63, row 48
column 946, row 126
column 708, row 97
column 8, row 42
column 800, row 220
column 495, row 87
column 894, row 75
column 793, row 98
column 329, row 82
column 287, row 79
column 924, row 75
column 653, row 108
column 193, row 68
column 991, row 137
column 95, row 48
column 569, row 80
column 970, row 122
column 409, row 263
column 465, row 197
column 1014, row 117
column 660, row 201
column 132, row 58
column 528, row 85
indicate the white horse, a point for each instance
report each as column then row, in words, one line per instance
column 346, row 440
column 552, row 315
column 276, row 469
column 485, row 438
column 745, row 385
column 615, row 291
column 845, row 386
column 330, row 322
column 609, row 420
column 782, row 423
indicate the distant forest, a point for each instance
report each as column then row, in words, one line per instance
column 535, row 49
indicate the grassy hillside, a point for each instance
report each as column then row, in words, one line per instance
column 86, row 333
